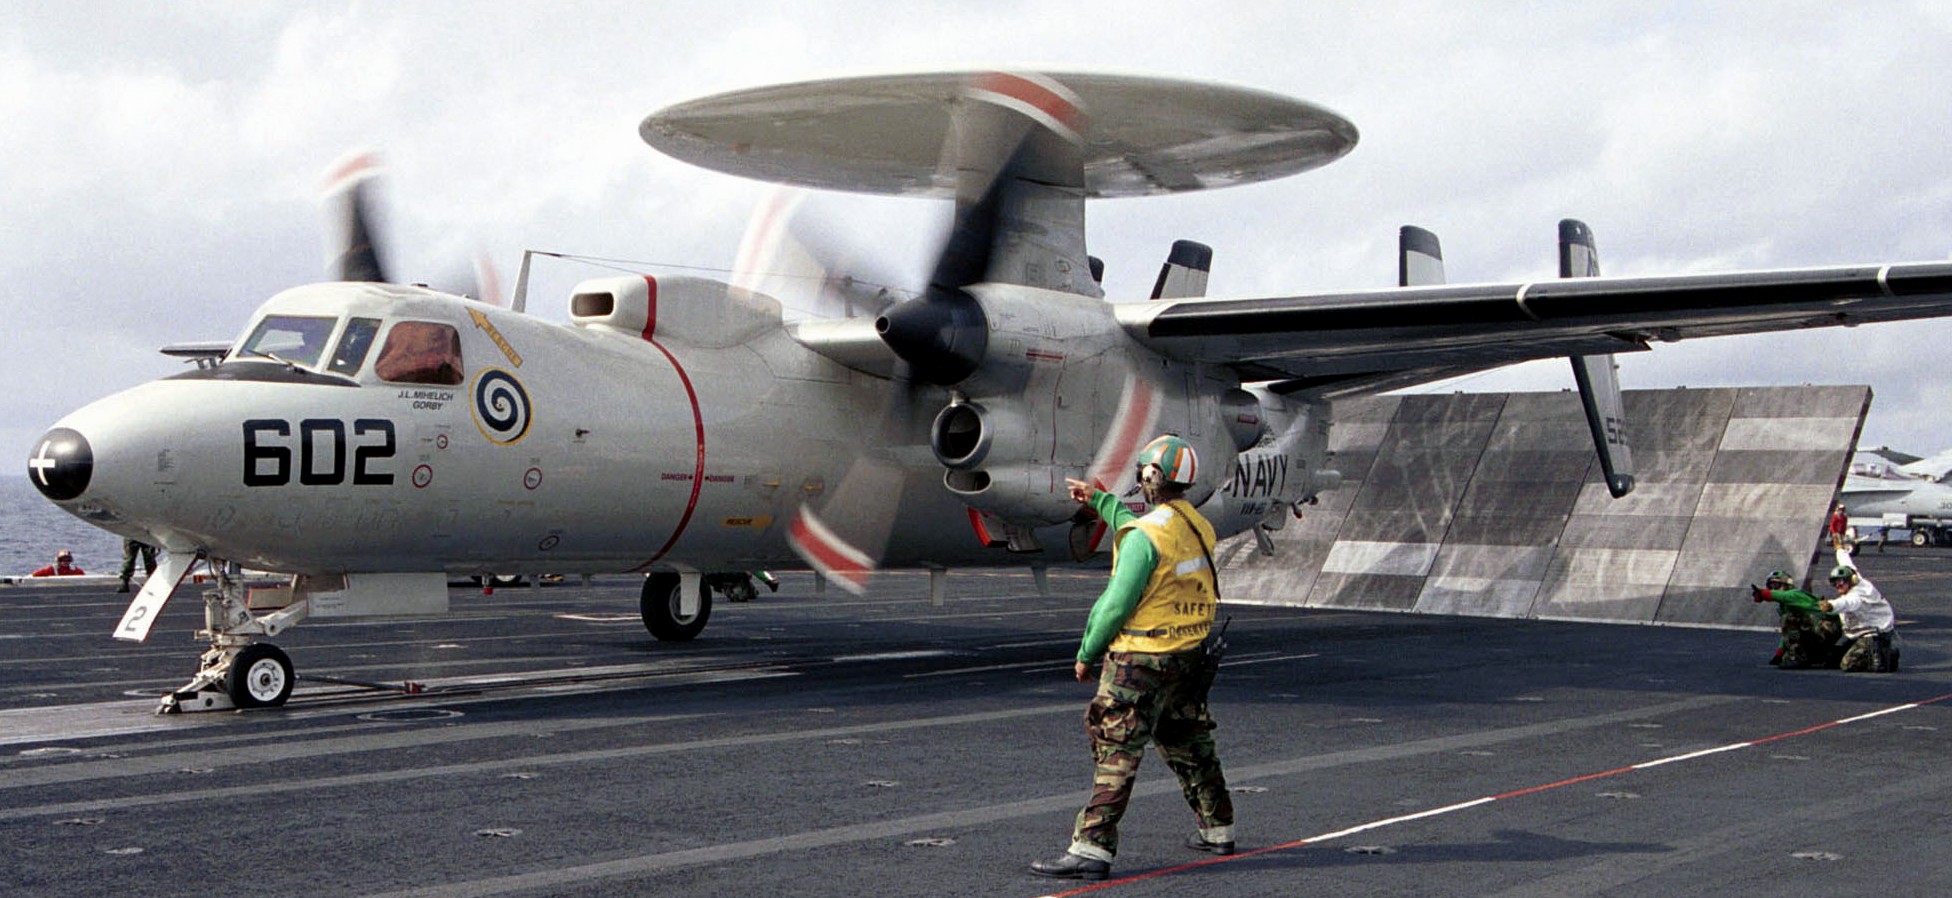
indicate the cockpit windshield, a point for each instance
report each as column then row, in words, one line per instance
column 298, row 339
column 353, row 345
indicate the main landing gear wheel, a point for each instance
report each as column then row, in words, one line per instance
column 1920, row 538
column 260, row 677
column 662, row 609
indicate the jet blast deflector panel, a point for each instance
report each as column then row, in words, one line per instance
column 1493, row 505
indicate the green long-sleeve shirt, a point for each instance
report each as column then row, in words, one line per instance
column 1132, row 568
column 1793, row 599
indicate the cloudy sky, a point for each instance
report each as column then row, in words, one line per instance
column 160, row 164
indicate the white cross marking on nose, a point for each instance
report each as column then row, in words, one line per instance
column 41, row 463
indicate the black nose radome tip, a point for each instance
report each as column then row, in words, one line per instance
column 61, row 464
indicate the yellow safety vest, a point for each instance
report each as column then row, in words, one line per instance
column 1177, row 608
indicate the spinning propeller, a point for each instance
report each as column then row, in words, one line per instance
column 353, row 233
column 1012, row 138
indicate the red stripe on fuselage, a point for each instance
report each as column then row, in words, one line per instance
column 697, row 424
column 650, row 319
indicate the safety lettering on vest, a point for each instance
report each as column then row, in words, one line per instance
column 1180, row 631
column 1189, row 609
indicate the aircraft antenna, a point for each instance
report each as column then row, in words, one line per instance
column 519, row 303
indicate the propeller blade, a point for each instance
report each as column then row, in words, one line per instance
column 845, row 539
column 352, row 252
column 353, row 236
column 792, row 253
column 1014, row 141
column 1015, row 136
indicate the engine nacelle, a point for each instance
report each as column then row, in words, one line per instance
column 1017, row 493
column 987, row 449
column 1041, row 408
column 696, row 311
column 966, row 433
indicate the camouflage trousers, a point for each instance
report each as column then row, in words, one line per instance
column 1809, row 640
column 1876, row 653
column 1150, row 698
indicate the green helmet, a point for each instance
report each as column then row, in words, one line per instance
column 1845, row 573
column 1776, row 577
column 1173, row 458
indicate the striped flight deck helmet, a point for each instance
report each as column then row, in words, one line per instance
column 1169, row 459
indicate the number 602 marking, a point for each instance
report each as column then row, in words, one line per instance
column 322, row 445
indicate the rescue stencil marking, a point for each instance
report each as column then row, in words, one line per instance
column 501, row 406
column 481, row 321
column 1488, row 799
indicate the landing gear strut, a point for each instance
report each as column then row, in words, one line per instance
column 237, row 671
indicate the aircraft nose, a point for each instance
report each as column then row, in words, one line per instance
column 62, row 464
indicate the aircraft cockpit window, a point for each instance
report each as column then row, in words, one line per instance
column 354, row 343
column 421, row 352
column 297, row 339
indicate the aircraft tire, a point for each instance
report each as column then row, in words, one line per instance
column 659, row 606
column 1920, row 538
column 260, row 677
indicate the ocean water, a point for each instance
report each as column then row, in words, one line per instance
column 32, row 529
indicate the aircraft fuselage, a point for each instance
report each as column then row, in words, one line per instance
column 517, row 445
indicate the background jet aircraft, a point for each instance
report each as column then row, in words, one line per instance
column 372, row 439
column 1881, row 493
column 1932, row 467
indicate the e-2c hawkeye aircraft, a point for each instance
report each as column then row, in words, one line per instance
column 372, row 440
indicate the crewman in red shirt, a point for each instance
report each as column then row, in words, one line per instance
column 63, row 566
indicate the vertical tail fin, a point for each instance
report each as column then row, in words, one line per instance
column 1419, row 258
column 1184, row 274
column 1597, row 375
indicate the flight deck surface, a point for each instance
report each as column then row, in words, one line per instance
column 821, row 745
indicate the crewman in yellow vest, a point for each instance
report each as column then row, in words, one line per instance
column 1148, row 627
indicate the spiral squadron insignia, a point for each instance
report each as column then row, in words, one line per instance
column 501, row 406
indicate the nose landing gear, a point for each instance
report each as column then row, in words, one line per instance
column 251, row 675
column 237, row 671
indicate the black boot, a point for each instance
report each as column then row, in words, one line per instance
column 1072, row 866
column 1198, row 842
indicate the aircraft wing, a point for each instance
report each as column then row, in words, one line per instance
column 1332, row 342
